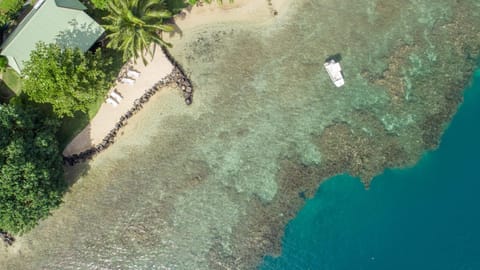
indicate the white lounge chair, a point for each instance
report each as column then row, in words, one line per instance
column 112, row 101
column 127, row 80
column 116, row 96
column 133, row 74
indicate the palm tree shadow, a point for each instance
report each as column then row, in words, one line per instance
column 176, row 31
column 78, row 35
column 179, row 8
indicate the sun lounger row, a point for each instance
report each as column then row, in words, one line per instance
column 112, row 101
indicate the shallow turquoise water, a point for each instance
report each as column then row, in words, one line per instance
column 425, row 217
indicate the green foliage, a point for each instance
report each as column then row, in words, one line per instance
column 31, row 172
column 133, row 25
column 67, row 79
column 8, row 9
column 10, row 6
column 176, row 6
column 3, row 63
column 100, row 4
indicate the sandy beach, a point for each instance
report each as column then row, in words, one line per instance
column 245, row 11
column 159, row 66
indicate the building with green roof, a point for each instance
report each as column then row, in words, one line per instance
column 63, row 22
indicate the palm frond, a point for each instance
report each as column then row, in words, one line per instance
column 133, row 25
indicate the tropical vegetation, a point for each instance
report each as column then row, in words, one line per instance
column 67, row 79
column 3, row 63
column 100, row 4
column 8, row 10
column 31, row 173
column 133, row 25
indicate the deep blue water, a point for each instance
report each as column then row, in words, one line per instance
column 425, row 217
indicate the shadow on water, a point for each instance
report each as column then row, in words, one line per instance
column 69, row 129
column 74, row 173
column 65, row 135
column 336, row 57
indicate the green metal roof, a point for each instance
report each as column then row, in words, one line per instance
column 55, row 21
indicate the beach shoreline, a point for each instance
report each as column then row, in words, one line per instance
column 160, row 67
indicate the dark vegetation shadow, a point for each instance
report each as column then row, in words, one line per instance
column 73, row 173
column 5, row 92
column 69, row 129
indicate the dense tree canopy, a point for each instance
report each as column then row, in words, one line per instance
column 133, row 25
column 67, row 79
column 31, row 173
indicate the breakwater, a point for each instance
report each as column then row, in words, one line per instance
column 177, row 77
column 181, row 79
column 6, row 237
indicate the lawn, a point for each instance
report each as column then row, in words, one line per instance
column 12, row 80
column 71, row 126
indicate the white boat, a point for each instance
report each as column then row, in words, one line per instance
column 335, row 72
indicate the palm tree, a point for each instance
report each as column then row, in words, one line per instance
column 133, row 25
